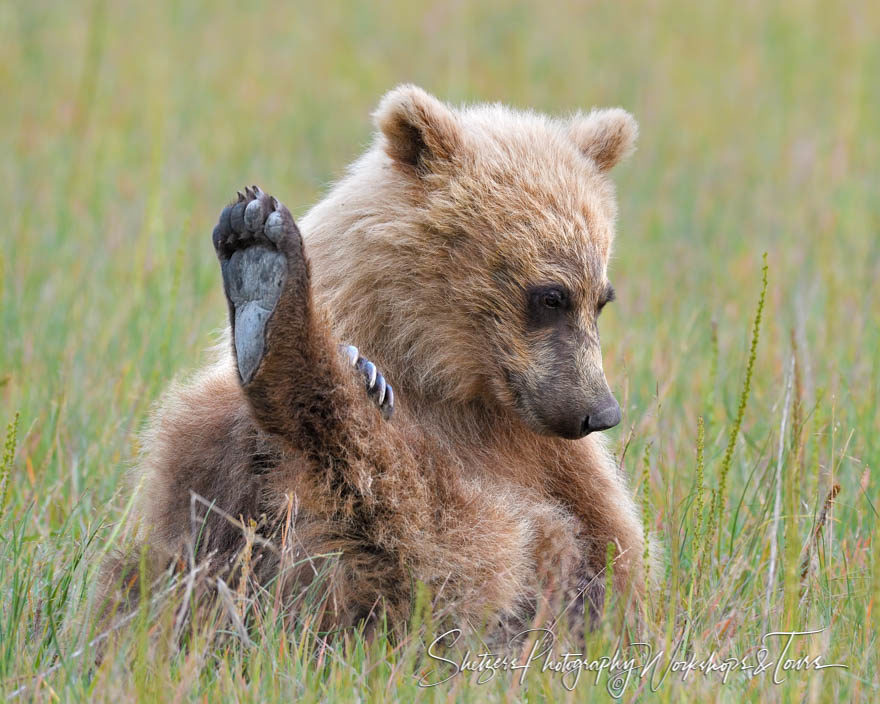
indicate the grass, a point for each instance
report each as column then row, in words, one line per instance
column 125, row 127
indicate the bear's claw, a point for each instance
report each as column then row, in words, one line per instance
column 378, row 389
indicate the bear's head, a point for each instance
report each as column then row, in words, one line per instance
column 467, row 254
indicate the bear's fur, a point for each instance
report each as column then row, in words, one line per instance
column 427, row 256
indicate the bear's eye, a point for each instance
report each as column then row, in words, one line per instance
column 552, row 299
column 607, row 296
column 546, row 303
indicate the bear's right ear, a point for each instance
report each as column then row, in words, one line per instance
column 417, row 127
column 605, row 136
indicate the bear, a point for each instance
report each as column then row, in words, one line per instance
column 412, row 384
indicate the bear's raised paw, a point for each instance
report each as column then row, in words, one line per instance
column 255, row 240
column 260, row 248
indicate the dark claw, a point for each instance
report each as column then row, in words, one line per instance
column 389, row 398
column 379, row 390
column 368, row 369
column 387, row 406
column 351, row 353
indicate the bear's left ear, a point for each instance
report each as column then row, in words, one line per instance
column 417, row 127
column 605, row 136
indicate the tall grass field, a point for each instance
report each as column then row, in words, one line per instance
column 744, row 346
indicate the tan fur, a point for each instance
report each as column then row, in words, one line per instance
column 417, row 257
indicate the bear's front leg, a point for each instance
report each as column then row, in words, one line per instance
column 260, row 247
column 302, row 386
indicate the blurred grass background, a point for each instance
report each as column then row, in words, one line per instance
column 126, row 126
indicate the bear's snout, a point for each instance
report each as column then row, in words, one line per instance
column 580, row 420
column 606, row 417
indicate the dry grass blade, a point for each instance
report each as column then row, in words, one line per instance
column 231, row 611
column 777, row 501
column 816, row 534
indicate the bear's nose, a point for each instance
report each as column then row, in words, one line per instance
column 605, row 418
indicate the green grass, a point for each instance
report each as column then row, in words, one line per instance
column 125, row 126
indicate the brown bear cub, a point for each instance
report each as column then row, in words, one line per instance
column 466, row 255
